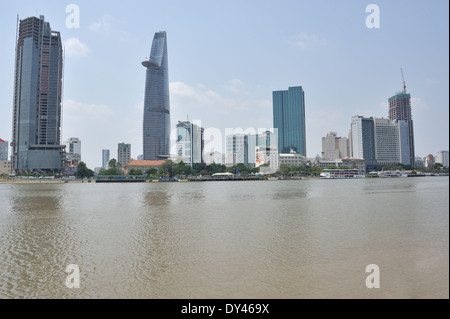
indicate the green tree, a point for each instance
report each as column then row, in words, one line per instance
column 241, row 168
column 187, row 170
column 112, row 171
column 151, row 171
column 167, row 169
column 214, row 168
column 313, row 170
column 135, row 171
column 83, row 171
column 112, row 163
column 437, row 167
column 182, row 169
column 285, row 169
column 114, row 168
column 198, row 167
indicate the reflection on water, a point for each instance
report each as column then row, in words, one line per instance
column 156, row 198
column 280, row 239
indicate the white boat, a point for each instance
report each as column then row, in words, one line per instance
column 342, row 173
column 388, row 174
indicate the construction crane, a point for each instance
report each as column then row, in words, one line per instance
column 404, row 84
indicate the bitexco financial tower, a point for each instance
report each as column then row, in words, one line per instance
column 157, row 103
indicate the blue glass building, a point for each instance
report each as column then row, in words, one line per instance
column 157, row 103
column 289, row 119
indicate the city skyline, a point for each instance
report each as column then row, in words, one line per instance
column 345, row 67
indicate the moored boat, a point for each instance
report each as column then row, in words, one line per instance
column 388, row 174
column 342, row 173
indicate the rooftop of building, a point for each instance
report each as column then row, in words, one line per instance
column 145, row 163
column 400, row 95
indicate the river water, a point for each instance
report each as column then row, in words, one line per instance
column 255, row 239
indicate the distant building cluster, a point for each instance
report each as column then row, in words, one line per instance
column 73, row 151
column 442, row 158
column 378, row 141
column 334, row 147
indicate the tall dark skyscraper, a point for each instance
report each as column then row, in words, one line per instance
column 400, row 110
column 36, row 143
column 157, row 103
column 289, row 119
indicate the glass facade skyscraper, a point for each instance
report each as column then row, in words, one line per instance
column 157, row 103
column 237, row 149
column 36, row 143
column 105, row 158
column 289, row 119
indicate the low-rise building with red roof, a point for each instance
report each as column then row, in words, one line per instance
column 143, row 166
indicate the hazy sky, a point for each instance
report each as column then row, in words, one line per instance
column 226, row 58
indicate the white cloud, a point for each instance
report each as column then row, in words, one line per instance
column 217, row 111
column 183, row 90
column 103, row 24
column 207, row 101
column 431, row 82
column 90, row 112
column 385, row 106
column 75, row 48
column 95, row 125
column 234, row 86
column 303, row 40
column 418, row 104
column 236, row 82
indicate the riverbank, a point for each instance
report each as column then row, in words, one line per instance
column 38, row 181
column 61, row 181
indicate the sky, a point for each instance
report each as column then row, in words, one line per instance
column 227, row 57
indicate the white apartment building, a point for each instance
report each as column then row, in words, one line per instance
column 214, row 157
column 291, row 159
column 442, row 157
column 387, row 146
column 267, row 155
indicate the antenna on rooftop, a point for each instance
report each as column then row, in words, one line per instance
column 404, row 84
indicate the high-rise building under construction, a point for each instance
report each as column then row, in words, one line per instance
column 36, row 136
